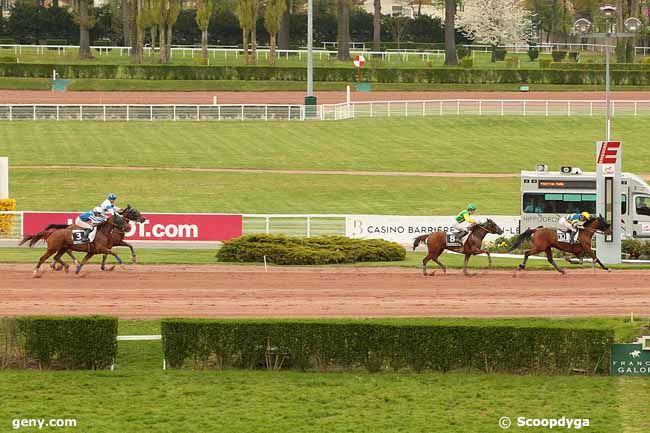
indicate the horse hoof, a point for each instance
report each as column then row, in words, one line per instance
column 67, row 269
column 78, row 269
column 36, row 275
column 110, row 269
column 134, row 259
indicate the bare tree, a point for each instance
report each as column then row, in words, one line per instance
column 451, row 58
column 203, row 15
column 85, row 18
column 343, row 30
column 376, row 26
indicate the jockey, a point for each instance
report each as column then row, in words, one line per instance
column 572, row 222
column 89, row 220
column 108, row 206
column 464, row 221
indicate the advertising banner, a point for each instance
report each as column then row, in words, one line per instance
column 402, row 229
column 157, row 227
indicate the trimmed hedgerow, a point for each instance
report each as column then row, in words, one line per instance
column 386, row 344
column 318, row 250
column 456, row 75
column 69, row 342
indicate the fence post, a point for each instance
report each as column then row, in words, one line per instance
column 81, row 113
column 457, row 107
column 127, row 113
column 151, row 113
column 308, row 227
column 441, row 107
column 371, row 114
column 34, row 111
column 57, row 112
column 218, row 112
column 174, row 112
column 480, row 107
column 546, row 108
column 406, row 106
column 524, row 107
column 266, row 112
column 267, row 225
column 568, row 108
column 502, row 103
column 242, row 112
column 104, row 113
column 424, row 108
column 613, row 108
column 11, row 112
column 388, row 108
column 635, row 102
column 591, row 108
column 198, row 113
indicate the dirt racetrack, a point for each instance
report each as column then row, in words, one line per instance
column 247, row 291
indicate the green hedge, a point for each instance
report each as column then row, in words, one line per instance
column 318, row 250
column 69, row 342
column 381, row 75
column 601, row 66
column 386, row 344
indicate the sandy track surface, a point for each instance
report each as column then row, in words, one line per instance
column 48, row 97
column 247, row 291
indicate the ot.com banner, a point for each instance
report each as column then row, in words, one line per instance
column 402, row 229
column 158, row 227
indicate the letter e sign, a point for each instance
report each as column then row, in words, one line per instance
column 609, row 152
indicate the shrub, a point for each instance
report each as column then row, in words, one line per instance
column 439, row 345
column 7, row 41
column 466, row 62
column 69, row 342
column 499, row 54
column 544, row 63
column 533, row 53
column 463, row 52
column 558, row 56
column 573, row 55
column 7, row 221
column 319, row 250
column 8, row 59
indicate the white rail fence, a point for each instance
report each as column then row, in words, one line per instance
column 443, row 107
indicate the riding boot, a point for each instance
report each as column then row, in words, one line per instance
column 572, row 237
column 460, row 234
column 87, row 234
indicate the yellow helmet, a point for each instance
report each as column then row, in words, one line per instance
column 587, row 215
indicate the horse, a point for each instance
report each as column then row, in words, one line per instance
column 129, row 214
column 60, row 241
column 546, row 238
column 437, row 242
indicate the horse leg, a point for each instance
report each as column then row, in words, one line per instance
column 467, row 256
column 103, row 268
column 108, row 251
column 489, row 266
column 74, row 259
column 83, row 262
column 594, row 258
column 549, row 256
column 424, row 264
column 43, row 258
column 133, row 255
column 444, row 268
column 57, row 258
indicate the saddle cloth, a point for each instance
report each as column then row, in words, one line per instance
column 79, row 236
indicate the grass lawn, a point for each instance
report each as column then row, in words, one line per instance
column 173, row 191
column 443, row 144
column 140, row 396
column 7, row 83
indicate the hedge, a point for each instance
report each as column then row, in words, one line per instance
column 6, row 221
column 318, row 250
column 456, row 75
column 601, row 66
column 69, row 342
column 386, row 344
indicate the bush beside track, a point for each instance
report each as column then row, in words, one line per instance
column 318, row 250
column 377, row 345
column 59, row 342
column 585, row 76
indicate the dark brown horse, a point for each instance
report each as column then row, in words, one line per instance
column 437, row 243
column 544, row 239
column 117, row 236
column 60, row 241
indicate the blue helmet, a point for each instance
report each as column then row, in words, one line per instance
column 112, row 197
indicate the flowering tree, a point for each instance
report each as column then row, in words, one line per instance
column 494, row 22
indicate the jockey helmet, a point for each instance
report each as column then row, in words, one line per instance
column 112, row 197
column 97, row 210
column 586, row 215
column 471, row 206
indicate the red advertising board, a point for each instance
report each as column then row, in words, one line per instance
column 158, row 227
column 609, row 152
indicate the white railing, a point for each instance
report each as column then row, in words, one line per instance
column 241, row 112
column 482, row 107
column 116, row 112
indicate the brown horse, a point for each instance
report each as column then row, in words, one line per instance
column 546, row 238
column 60, row 241
column 117, row 236
column 437, row 243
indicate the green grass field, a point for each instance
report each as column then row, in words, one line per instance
column 140, row 396
column 423, row 144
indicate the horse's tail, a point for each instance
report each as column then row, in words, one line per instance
column 33, row 239
column 56, row 226
column 522, row 237
column 417, row 241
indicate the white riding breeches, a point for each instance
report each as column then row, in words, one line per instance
column 83, row 224
column 565, row 224
column 465, row 225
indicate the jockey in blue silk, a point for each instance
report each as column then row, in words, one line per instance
column 89, row 220
column 108, row 206
column 572, row 222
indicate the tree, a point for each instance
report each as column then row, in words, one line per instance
column 247, row 13
column 164, row 14
column 203, row 15
column 451, row 58
column 376, row 26
column 495, row 22
column 343, row 29
column 85, row 18
column 272, row 20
